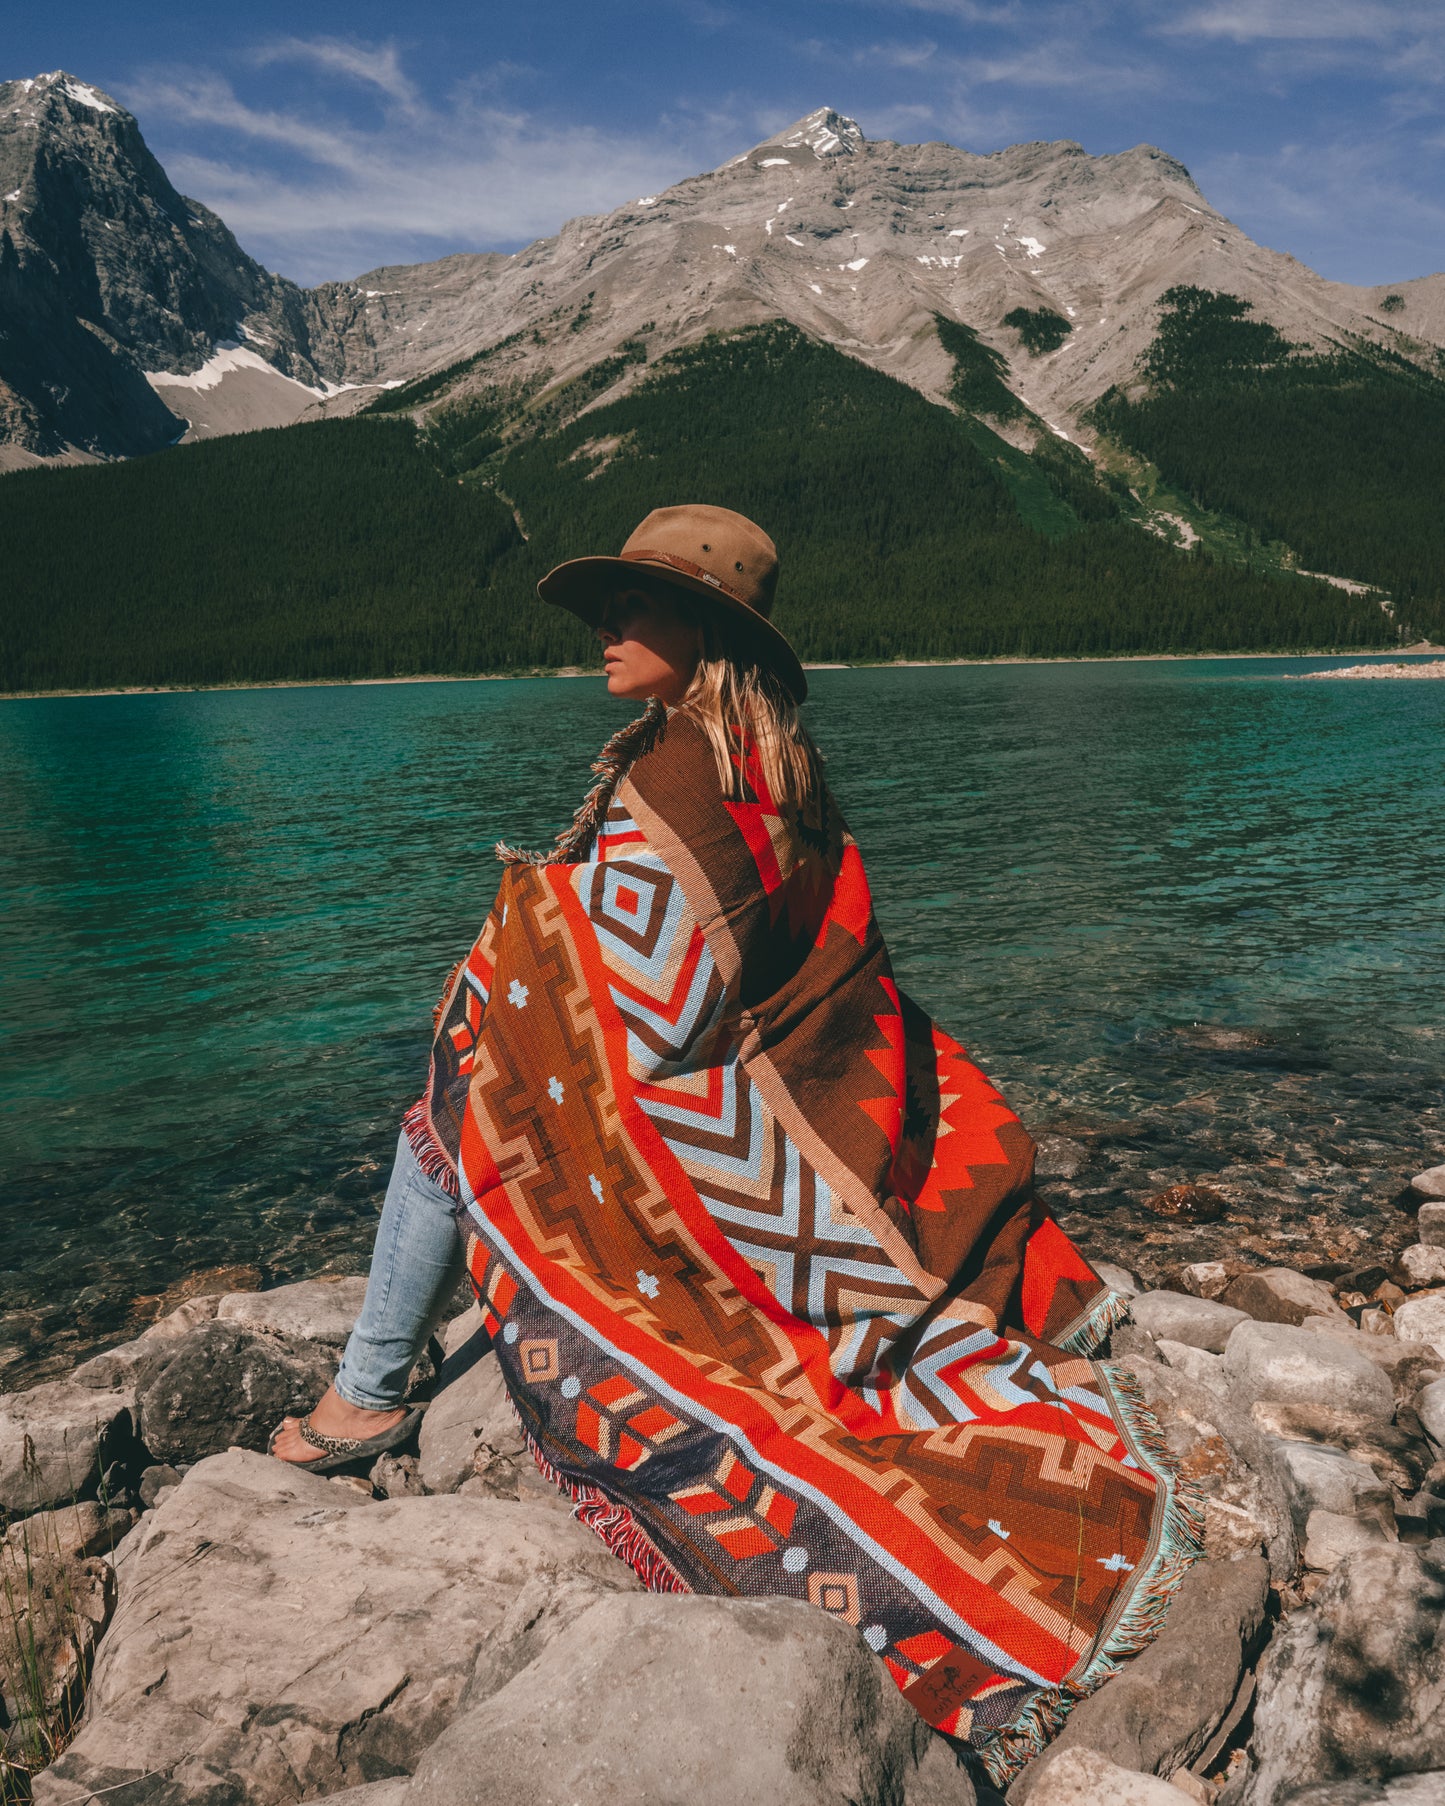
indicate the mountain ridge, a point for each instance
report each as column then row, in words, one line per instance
column 174, row 332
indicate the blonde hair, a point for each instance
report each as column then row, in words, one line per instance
column 743, row 706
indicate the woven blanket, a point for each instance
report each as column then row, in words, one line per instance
column 760, row 1253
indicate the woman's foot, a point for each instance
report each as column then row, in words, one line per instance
column 332, row 1416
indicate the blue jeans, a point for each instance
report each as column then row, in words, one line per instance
column 415, row 1266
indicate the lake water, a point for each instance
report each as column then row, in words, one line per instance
column 1187, row 913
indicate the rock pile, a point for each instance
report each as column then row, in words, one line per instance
column 195, row 1623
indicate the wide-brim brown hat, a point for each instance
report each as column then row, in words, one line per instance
column 713, row 552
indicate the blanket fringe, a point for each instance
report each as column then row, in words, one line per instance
column 614, row 1523
column 416, row 1126
column 1105, row 1317
column 626, row 745
column 1180, row 1544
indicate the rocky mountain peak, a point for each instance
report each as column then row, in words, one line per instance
column 60, row 91
column 132, row 315
column 109, row 277
column 824, row 133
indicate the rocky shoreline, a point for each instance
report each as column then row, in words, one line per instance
column 184, row 1620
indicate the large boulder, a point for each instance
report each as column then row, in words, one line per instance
column 88, row 1527
column 119, row 1366
column 1404, row 1790
column 708, row 1702
column 1160, row 1711
column 57, row 1440
column 1430, row 1408
column 1176, row 1317
column 1318, row 1478
column 1290, row 1365
column 1423, row 1320
column 1222, row 1452
column 1420, row 1266
column 222, row 1385
column 1197, row 1363
column 1280, row 1295
column 315, row 1310
column 1085, row 1778
column 280, row 1637
column 1396, row 1456
column 1353, row 1686
column 1329, row 1538
column 470, row 1428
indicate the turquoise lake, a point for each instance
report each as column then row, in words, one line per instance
column 1189, row 914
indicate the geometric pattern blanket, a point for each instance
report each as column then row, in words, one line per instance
column 763, row 1265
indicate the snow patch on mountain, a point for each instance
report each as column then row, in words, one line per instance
column 228, row 356
column 88, row 97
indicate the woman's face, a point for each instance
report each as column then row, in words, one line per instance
column 648, row 647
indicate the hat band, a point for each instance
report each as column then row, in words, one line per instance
column 645, row 556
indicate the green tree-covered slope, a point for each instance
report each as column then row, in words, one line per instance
column 1342, row 456
column 363, row 548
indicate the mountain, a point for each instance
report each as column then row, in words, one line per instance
column 1036, row 402
column 861, row 244
column 107, row 273
column 126, row 303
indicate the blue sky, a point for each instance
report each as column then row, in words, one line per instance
column 333, row 139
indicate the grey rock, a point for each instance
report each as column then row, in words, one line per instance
column 1421, row 1265
column 1280, row 1295
column 85, row 1528
column 1292, row 1366
column 1059, row 1157
column 1409, row 1364
column 222, row 1385
column 1404, row 1790
column 706, row 1701
column 1118, row 1279
column 1423, row 1320
column 119, row 1366
column 390, row 1792
column 1430, row 1183
column 471, row 1430
column 120, row 1556
column 154, row 1481
column 1221, row 1451
column 1208, row 1278
column 1430, row 1408
column 398, row 1477
column 1083, row 1777
column 1160, row 1711
column 1399, row 1458
column 1131, row 1345
column 56, row 1440
column 1329, row 1538
column 1207, row 1369
column 1430, row 1221
column 1176, row 1317
column 1353, row 1686
column 1316, row 1478
column 278, row 1639
column 314, row 1310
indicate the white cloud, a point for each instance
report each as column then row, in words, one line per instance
column 377, row 66
column 421, row 177
column 1248, row 21
column 967, row 12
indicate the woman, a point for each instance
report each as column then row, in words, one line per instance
column 756, row 1244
